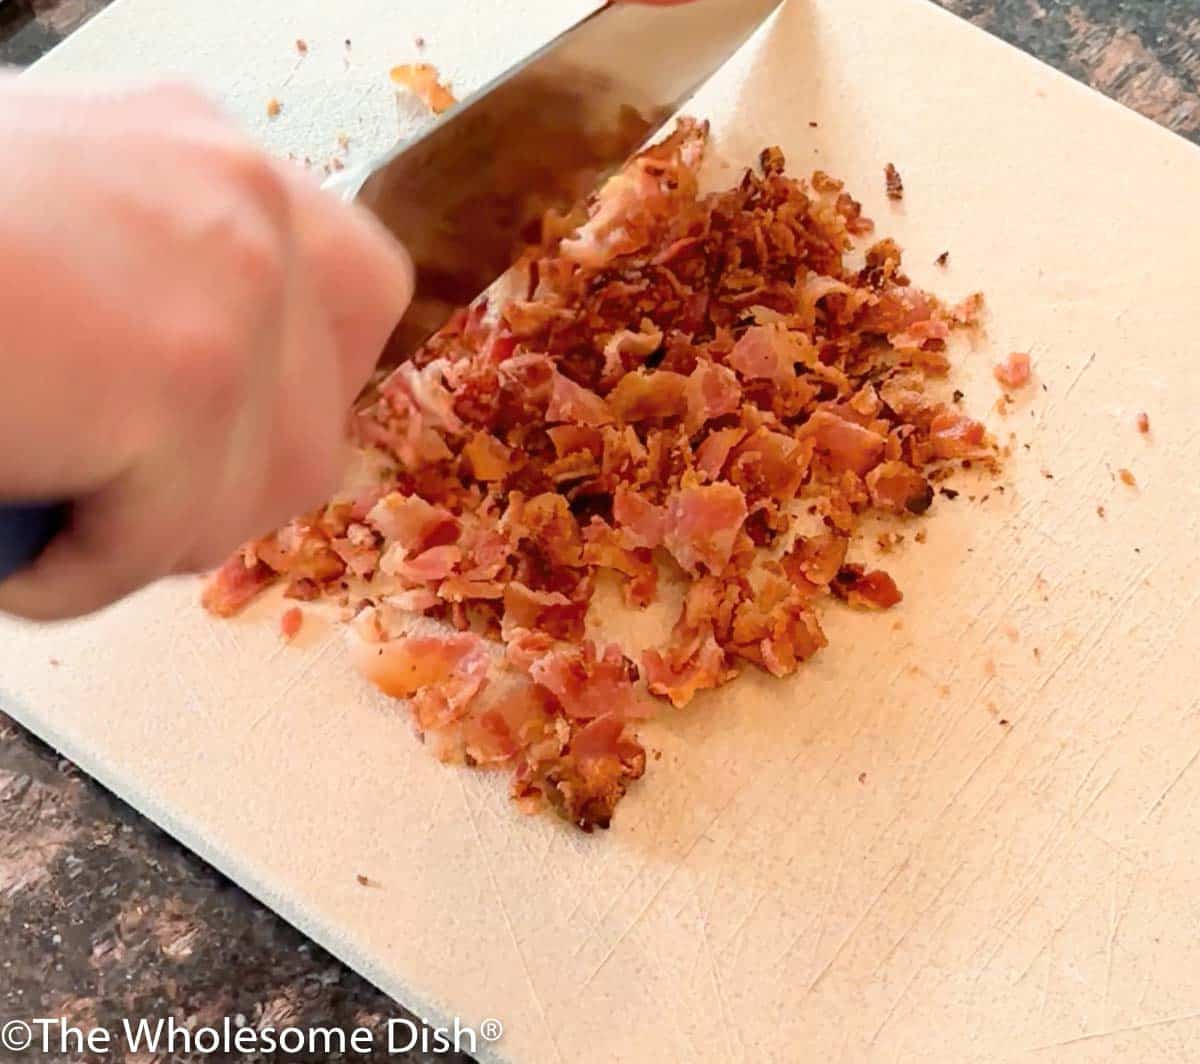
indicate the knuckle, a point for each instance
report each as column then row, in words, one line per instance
column 208, row 366
column 259, row 182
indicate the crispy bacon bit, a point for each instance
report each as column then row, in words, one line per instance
column 575, row 404
column 702, row 523
column 686, row 668
column 423, row 81
column 274, row 108
column 943, row 259
column 956, row 436
column 844, row 444
column 664, row 381
column 291, row 622
column 895, row 184
column 1014, row 371
column 235, row 585
column 1143, row 423
column 875, row 589
column 302, row 46
column 898, row 488
column 1127, row 478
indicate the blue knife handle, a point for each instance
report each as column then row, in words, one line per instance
column 25, row 531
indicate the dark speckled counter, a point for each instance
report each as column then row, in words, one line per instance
column 103, row 916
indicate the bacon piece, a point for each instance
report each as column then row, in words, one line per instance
column 775, row 628
column 547, row 611
column 585, row 784
column 236, row 584
column 291, row 622
column 956, row 436
column 302, row 551
column 1014, row 371
column 714, row 452
column 413, row 523
column 606, row 547
column 711, row 392
column 642, row 523
column 843, row 444
column 816, row 560
column 641, row 396
column 898, row 488
column 589, row 684
column 874, row 589
column 575, row 404
column 895, row 183
column 684, row 669
column 767, row 352
column 490, row 459
column 452, row 669
column 703, row 522
column 431, row 565
column 770, row 463
column 423, row 80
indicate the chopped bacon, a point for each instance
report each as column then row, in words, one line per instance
column 660, row 373
column 643, row 523
column 657, row 394
column 1014, row 371
column 816, row 559
column 422, row 80
column 589, row 684
column 235, row 585
column 455, row 664
column 767, row 352
column 572, row 403
column 290, row 623
column 875, row 589
column 413, row 523
column 683, row 670
column 490, row 459
column 844, row 444
column 437, row 563
column 956, row 436
column 714, row 452
column 895, row 184
column 702, row 525
column 711, row 392
column 898, row 488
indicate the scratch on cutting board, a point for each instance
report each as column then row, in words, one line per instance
column 828, row 965
column 301, row 673
column 1115, row 1031
column 482, row 850
column 1178, row 776
column 1079, row 376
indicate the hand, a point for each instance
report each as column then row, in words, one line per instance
column 184, row 325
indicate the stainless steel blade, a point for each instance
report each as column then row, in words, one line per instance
column 462, row 195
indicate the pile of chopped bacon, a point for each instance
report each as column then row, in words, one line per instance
column 665, row 387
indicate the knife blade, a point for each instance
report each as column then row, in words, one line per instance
column 461, row 196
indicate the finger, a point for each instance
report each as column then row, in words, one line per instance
column 361, row 275
column 107, row 551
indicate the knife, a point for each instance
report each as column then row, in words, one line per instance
column 462, row 196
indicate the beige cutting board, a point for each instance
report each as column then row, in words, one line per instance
column 864, row 863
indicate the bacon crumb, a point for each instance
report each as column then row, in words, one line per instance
column 895, row 183
column 302, row 46
column 943, row 259
column 423, row 80
column 1127, row 478
column 274, row 107
column 1143, row 423
column 1014, row 371
column 290, row 623
column 665, row 386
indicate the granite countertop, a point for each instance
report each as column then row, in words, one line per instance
column 103, row 916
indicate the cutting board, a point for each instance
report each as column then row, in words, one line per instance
column 965, row 832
